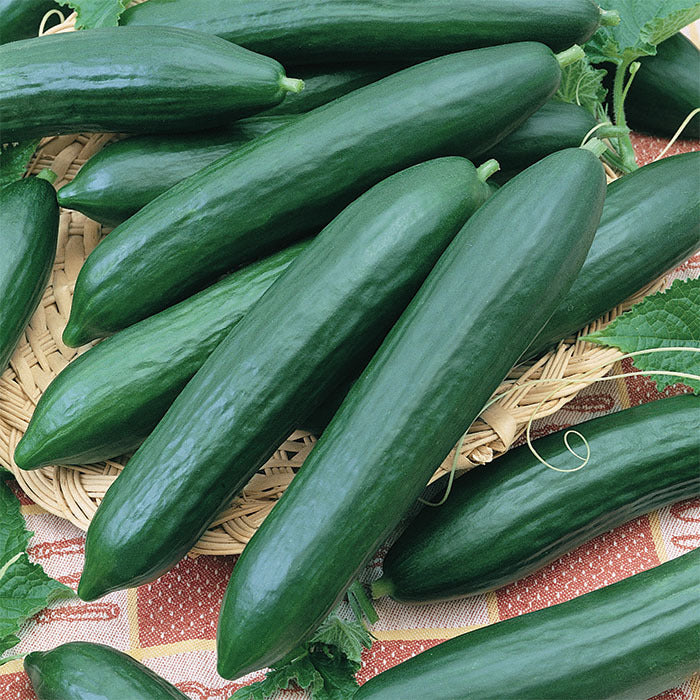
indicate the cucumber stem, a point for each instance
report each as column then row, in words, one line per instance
column 571, row 55
column 291, row 84
column 609, row 18
column 48, row 175
column 611, row 131
column 382, row 587
column 595, row 146
column 485, row 170
column 624, row 145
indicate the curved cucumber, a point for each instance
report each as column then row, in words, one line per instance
column 21, row 18
column 456, row 341
column 298, row 177
column 111, row 397
column 627, row 641
column 168, row 79
column 86, row 671
column 505, row 522
column 334, row 304
column 28, row 239
column 125, row 176
column 320, row 31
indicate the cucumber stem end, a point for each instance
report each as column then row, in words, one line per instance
column 571, row 55
column 609, row 18
column 595, row 146
column 291, row 84
column 49, row 175
column 485, row 170
column 382, row 587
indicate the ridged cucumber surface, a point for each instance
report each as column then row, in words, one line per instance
column 334, row 303
column 300, row 176
column 454, row 344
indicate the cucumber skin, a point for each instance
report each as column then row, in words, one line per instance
column 86, row 671
column 330, row 520
column 74, row 86
column 335, row 303
column 21, row 18
column 108, row 400
column 631, row 640
column 298, row 177
column 503, row 523
column 319, row 31
column 28, row 240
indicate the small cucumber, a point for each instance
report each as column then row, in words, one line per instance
column 87, row 671
column 506, row 521
column 167, row 79
column 21, row 18
column 28, row 239
column 628, row 641
column 454, row 344
column 111, row 397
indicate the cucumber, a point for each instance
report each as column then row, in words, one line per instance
column 334, row 304
column 454, row 344
column 300, row 176
column 168, row 79
column 28, row 239
column 631, row 640
column 125, row 176
column 87, row 671
column 111, row 397
column 321, row 31
column 666, row 89
column 21, row 18
column 505, row 522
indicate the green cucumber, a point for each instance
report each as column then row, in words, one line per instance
column 631, row 640
column 334, row 304
column 321, row 31
column 454, row 344
column 28, row 239
column 167, row 79
column 125, row 176
column 21, row 18
column 503, row 523
column 300, row 176
column 111, row 397
column 87, row 671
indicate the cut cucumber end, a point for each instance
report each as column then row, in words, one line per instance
column 292, row 84
column 595, row 146
column 485, row 170
column 47, row 174
column 382, row 587
column 571, row 55
column 609, row 18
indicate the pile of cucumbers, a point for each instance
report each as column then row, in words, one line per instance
column 321, row 244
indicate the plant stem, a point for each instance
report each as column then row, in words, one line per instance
column 485, row 170
column 571, row 55
column 624, row 144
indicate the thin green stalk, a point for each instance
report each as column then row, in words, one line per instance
column 624, row 144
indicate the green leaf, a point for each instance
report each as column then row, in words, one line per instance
column 96, row 13
column 643, row 25
column 14, row 537
column 582, row 84
column 14, row 158
column 662, row 320
column 348, row 637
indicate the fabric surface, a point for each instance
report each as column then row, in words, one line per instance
column 170, row 625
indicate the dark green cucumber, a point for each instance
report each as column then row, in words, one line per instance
column 298, row 177
column 631, row 640
column 320, row 31
column 505, row 522
column 111, row 397
column 666, row 89
column 454, row 344
column 87, row 671
column 20, row 19
column 167, row 79
column 125, row 176
column 28, row 239
column 334, row 304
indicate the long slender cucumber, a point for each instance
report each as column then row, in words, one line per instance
column 631, row 640
column 454, row 344
column 300, row 176
column 109, row 399
column 505, row 522
column 334, row 303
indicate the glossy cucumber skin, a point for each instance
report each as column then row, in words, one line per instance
column 503, row 523
column 650, row 223
column 298, row 177
column 73, row 85
column 316, row 31
column 335, row 303
column 631, row 640
column 666, row 90
column 28, row 239
column 21, row 18
column 87, row 671
column 431, row 377
column 110, row 398
column 125, row 176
